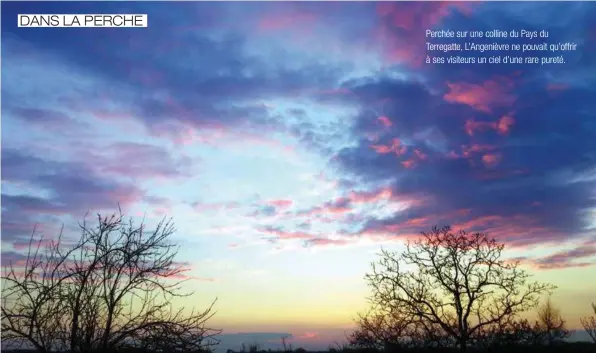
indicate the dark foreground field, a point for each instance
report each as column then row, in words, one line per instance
column 575, row 347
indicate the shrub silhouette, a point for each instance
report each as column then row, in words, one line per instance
column 550, row 324
column 589, row 324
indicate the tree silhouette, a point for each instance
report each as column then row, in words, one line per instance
column 455, row 282
column 111, row 289
column 550, row 323
column 380, row 330
column 589, row 324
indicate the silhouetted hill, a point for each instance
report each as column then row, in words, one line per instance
column 570, row 347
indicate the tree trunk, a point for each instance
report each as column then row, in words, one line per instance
column 463, row 345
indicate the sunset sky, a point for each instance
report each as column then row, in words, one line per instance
column 290, row 141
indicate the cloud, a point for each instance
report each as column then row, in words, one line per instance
column 353, row 202
column 13, row 258
column 491, row 160
column 308, row 335
column 482, row 96
column 280, row 203
column 41, row 117
column 582, row 256
column 138, row 161
column 277, row 233
column 491, row 144
column 407, row 143
column 335, row 207
column 385, row 121
column 71, row 188
column 213, row 85
column 71, row 184
column 402, row 26
column 527, row 159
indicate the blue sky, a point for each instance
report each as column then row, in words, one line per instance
column 290, row 141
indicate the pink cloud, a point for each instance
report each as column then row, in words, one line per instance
column 308, row 335
column 343, row 205
column 395, row 147
column 420, row 154
column 280, row 203
column 385, row 121
column 382, row 149
column 452, row 155
column 139, row 160
column 484, row 96
column 491, row 160
column 400, row 32
column 160, row 206
column 409, row 164
column 471, row 126
column 125, row 196
column 504, row 124
column 516, row 230
column 339, row 207
column 370, row 196
column 577, row 257
column 417, row 222
column 410, row 228
column 501, row 126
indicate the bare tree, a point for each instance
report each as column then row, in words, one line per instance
column 286, row 347
column 32, row 307
column 550, row 323
column 457, row 282
column 113, row 288
column 589, row 324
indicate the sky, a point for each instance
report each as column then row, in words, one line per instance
column 291, row 141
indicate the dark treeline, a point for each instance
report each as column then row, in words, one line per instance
column 112, row 290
